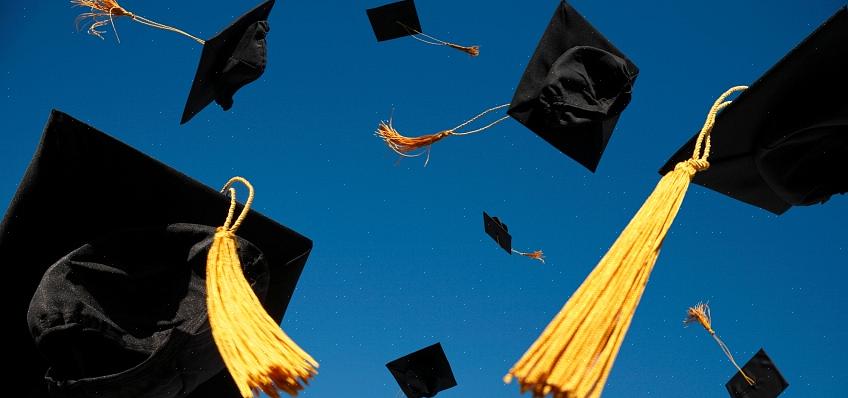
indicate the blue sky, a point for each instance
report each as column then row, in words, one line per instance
column 400, row 258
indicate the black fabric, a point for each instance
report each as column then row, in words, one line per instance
column 768, row 382
column 783, row 142
column 388, row 20
column 82, row 186
column 116, row 316
column 497, row 231
column 229, row 61
column 423, row 373
column 245, row 65
column 574, row 88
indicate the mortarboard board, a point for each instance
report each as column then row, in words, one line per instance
column 394, row 20
column 498, row 231
column 768, row 382
column 782, row 142
column 400, row 19
column 423, row 373
column 229, row 61
column 574, row 88
column 84, row 188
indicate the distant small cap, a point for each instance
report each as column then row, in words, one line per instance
column 768, row 382
column 423, row 373
column 784, row 141
column 574, row 88
column 498, row 231
column 229, row 61
column 394, row 20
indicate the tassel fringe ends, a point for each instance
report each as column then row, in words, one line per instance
column 404, row 146
column 103, row 11
column 257, row 353
column 575, row 353
column 700, row 313
column 536, row 255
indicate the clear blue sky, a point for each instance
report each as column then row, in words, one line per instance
column 400, row 258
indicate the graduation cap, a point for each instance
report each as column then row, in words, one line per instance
column 95, row 213
column 232, row 59
column 229, row 61
column 768, row 382
column 574, row 88
column 400, row 19
column 500, row 233
column 782, row 143
column 423, row 373
column 571, row 94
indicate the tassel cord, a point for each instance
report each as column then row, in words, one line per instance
column 470, row 50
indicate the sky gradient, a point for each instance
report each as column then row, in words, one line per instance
column 400, row 258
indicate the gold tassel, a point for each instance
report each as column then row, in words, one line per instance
column 258, row 354
column 575, row 353
column 470, row 50
column 406, row 146
column 701, row 314
column 103, row 9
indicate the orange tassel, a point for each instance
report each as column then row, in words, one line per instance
column 403, row 145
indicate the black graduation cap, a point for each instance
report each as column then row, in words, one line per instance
column 87, row 199
column 394, row 20
column 783, row 141
column 498, row 231
column 229, row 61
column 768, row 382
column 423, row 373
column 574, row 88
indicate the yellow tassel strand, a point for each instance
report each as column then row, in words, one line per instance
column 701, row 314
column 575, row 353
column 258, row 354
column 103, row 11
column 406, row 146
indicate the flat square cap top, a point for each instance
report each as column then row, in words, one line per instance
column 574, row 88
column 423, row 373
column 394, row 20
column 768, row 382
column 497, row 231
column 83, row 186
column 784, row 141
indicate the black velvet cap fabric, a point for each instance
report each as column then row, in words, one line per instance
column 768, row 382
column 394, row 20
column 497, row 231
column 423, row 373
column 84, row 188
column 574, row 88
column 232, row 59
column 117, row 316
column 784, row 141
